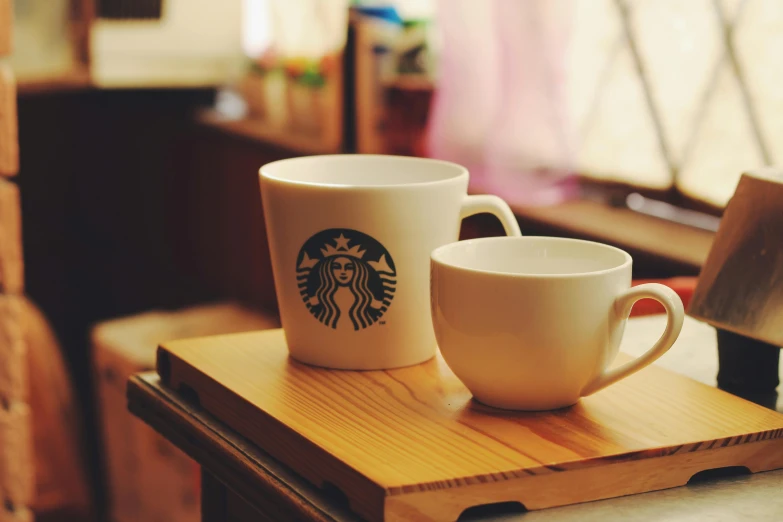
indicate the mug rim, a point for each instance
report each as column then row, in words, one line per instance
column 461, row 172
column 437, row 257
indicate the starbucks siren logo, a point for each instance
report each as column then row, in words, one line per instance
column 346, row 278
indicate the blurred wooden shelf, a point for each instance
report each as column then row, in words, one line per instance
column 411, row 83
column 74, row 81
column 260, row 131
column 680, row 245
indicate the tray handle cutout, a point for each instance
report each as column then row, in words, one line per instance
column 711, row 474
column 495, row 509
column 189, row 394
column 336, row 495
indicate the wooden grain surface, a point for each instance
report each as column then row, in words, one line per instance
column 409, row 443
column 9, row 135
column 278, row 492
column 11, row 262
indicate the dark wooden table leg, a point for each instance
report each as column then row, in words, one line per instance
column 213, row 498
column 748, row 368
column 220, row 504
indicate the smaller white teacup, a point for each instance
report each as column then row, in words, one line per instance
column 532, row 323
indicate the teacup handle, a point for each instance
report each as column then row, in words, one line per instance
column 485, row 203
column 622, row 309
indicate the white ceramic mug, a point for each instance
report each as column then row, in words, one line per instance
column 350, row 239
column 533, row 323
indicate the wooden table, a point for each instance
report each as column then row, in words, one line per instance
column 240, row 482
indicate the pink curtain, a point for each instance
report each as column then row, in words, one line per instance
column 500, row 105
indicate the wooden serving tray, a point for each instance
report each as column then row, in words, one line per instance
column 410, row 444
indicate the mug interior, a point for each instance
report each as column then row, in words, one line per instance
column 362, row 170
column 532, row 256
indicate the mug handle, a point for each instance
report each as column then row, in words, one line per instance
column 622, row 308
column 485, row 203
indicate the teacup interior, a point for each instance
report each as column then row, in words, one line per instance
column 362, row 170
column 534, row 256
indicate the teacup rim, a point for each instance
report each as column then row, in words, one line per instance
column 436, row 257
column 461, row 172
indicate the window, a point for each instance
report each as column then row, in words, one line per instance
column 683, row 93
column 675, row 96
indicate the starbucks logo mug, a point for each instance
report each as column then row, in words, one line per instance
column 350, row 238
